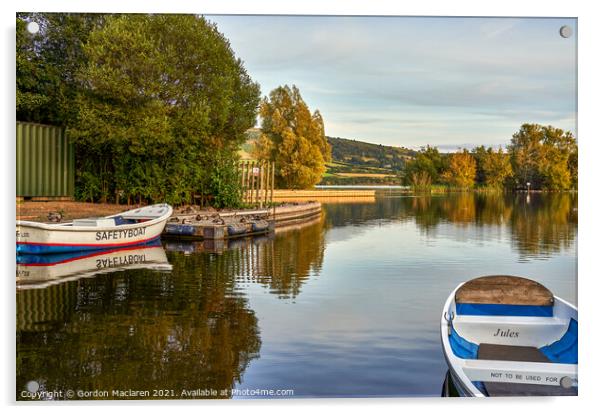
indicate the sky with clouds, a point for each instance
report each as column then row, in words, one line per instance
column 413, row 81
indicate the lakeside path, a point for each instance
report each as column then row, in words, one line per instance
column 38, row 210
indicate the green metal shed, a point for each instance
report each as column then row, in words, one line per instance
column 45, row 161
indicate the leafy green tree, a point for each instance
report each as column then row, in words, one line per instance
column 525, row 155
column 462, row 170
column 158, row 97
column 546, row 157
column 496, row 168
column 425, row 169
column 293, row 138
column 479, row 154
column 47, row 64
column 558, row 151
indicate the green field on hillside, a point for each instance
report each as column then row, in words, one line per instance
column 353, row 162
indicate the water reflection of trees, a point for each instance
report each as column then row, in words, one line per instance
column 543, row 223
column 539, row 223
column 343, row 214
column 188, row 329
column 137, row 330
column 282, row 262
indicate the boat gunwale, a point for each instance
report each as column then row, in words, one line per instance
column 70, row 227
column 456, row 364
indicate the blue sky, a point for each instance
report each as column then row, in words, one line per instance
column 413, row 81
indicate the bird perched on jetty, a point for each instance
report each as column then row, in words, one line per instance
column 55, row 217
column 218, row 220
column 174, row 220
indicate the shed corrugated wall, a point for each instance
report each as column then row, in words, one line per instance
column 45, row 161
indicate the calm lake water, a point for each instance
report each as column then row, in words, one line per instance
column 347, row 306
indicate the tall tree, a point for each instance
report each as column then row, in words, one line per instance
column 496, row 168
column 47, row 64
column 559, row 149
column 479, row 154
column 293, row 138
column 163, row 103
column 425, row 168
column 462, row 170
column 545, row 157
column 525, row 154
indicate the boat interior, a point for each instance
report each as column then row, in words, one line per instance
column 508, row 318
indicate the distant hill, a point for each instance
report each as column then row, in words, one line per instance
column 372, row 155
column 361, row 163
column 353, row 162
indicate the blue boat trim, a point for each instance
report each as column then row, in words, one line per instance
column 491, row 309
column 564, row 351
column 461, row 347
column 32, row 248
column 54, row 258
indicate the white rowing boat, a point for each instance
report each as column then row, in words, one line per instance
column 509, row 336
column 130, row 228
column 39, row 271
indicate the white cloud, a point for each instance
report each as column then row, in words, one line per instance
column 413, row 81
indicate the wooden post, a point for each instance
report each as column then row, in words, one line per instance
column 249, row 181
column 241, row 169
column 267, row 183
column 244, row 182
column 258, row 183
column 252, row 181
column 272, row 190
column 261, row 185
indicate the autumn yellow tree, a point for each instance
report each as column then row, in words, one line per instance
column 544, row 156
column 462, row 170
column 293, row 138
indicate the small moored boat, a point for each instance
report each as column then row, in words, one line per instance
column 509, row 336
column 130, row 228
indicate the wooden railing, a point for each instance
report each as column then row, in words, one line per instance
column 257, row 182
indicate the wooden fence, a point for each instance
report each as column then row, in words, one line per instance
column 257, row 182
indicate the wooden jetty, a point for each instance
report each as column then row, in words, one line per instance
column 319, row 194
column 192, row 225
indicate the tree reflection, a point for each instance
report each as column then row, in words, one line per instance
column 539, row 223
column 138, row 330
column 282, row 262
column 185, row 330
column 543, row 223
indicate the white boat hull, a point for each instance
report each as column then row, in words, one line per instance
column 42, row 238
column 469, row 373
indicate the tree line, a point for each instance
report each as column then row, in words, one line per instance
column 156, row 105
column 538, row 157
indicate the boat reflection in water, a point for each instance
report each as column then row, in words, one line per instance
column 39, row 271
column 449, row 389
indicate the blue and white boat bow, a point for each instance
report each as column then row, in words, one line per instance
column 506, row 335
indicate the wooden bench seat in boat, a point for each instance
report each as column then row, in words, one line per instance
column 504, row 290
column 521, row 354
